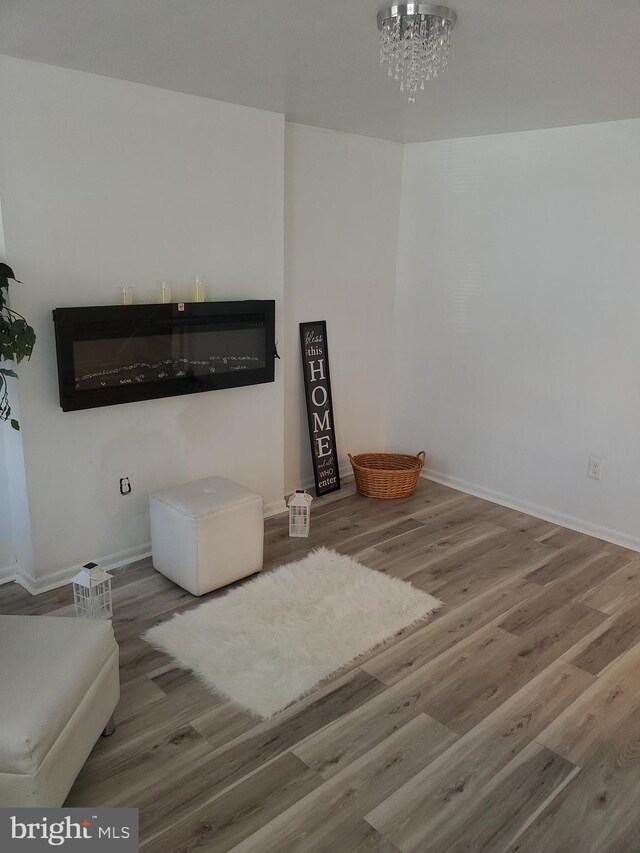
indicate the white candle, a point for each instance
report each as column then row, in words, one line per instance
column 164, row 291
column 199, row 294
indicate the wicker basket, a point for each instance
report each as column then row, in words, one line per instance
column 387, row 475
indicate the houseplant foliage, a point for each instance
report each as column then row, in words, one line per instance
column 16, row 342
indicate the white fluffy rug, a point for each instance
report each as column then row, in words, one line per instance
column 271, row 640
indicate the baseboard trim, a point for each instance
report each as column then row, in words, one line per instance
column 7, row 574
column 275, row 508
column 36, row 586
column 616, row 537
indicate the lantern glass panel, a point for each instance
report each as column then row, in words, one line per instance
column 299, row 521
column 93, row 602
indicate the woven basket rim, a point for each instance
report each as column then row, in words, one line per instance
column 415, row 461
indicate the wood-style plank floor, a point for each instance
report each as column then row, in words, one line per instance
column 510, row 721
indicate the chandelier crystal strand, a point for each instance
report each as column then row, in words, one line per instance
column 415, row 40
column 397, row 48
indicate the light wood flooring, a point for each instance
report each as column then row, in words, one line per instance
column 510, row 721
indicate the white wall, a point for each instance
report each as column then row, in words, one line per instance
column 104, row 183
column 518, row 317
column 15, row 529
column 342, row 198
column 7, row 555
column 511, row 349
column 15, row 522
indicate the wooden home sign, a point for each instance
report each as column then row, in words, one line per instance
column 317, row 387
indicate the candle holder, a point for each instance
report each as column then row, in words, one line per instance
column 199, row 288
column 125, row 295
column 92, row 593
column 164, row 291
column 299, row 513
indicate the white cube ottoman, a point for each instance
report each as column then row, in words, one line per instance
column 206, row 534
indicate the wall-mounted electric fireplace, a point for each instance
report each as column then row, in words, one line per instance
column 123, row 353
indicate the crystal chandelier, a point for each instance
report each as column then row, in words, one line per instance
column 414, row 43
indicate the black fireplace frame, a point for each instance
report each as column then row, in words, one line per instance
column 74, row 324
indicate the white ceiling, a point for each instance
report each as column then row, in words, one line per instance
column 515, row 64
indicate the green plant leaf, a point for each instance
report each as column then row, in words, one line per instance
column 17, row 339
column 5, row 274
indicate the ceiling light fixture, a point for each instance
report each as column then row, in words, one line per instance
column 414, row 43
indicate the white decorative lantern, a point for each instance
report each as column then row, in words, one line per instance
column 299, row 513
column 92, row 593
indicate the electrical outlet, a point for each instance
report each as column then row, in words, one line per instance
column 125, row 486
column 595, row 468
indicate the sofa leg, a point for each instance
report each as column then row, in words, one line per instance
column 110, row 728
